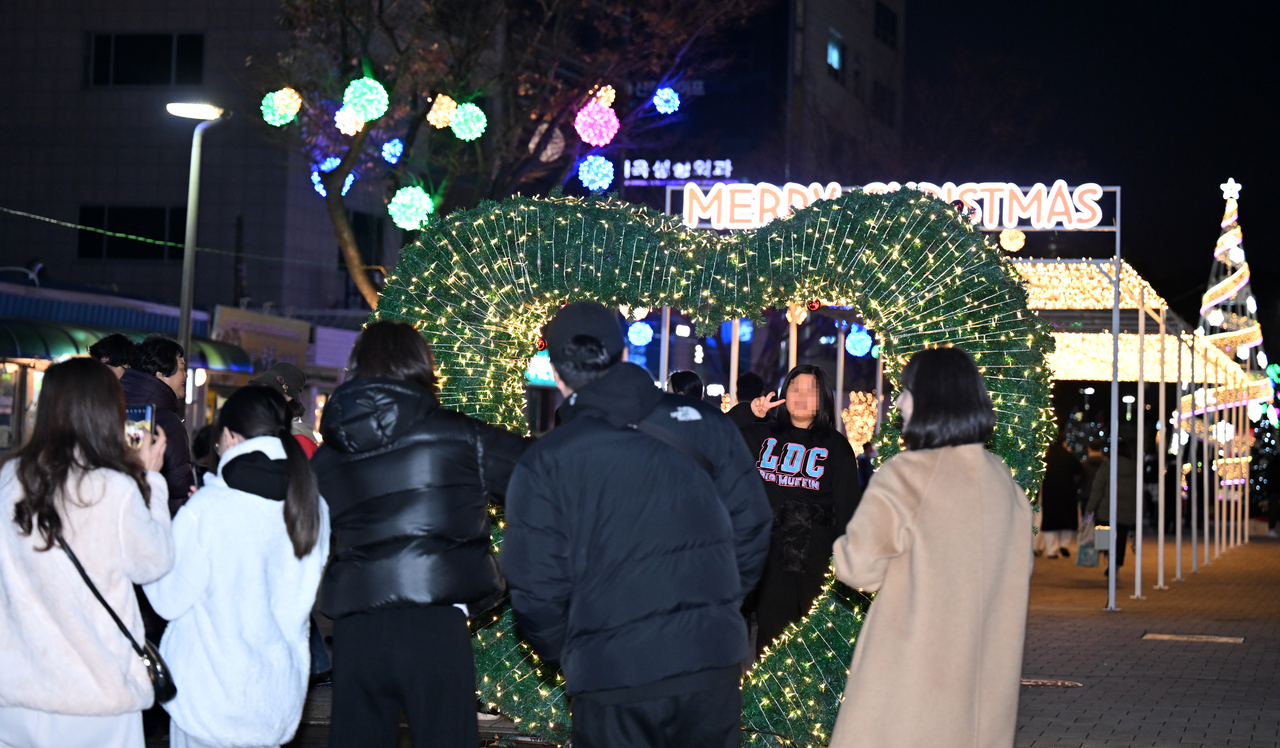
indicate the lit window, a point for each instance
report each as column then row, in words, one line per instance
column 835, row 56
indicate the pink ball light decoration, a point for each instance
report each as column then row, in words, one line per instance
column 596, row 124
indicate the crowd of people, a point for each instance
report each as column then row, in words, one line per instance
column 654, row 548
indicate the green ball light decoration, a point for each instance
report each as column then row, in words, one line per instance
column 279, row 108
column 366, row 98
column 468, row 122
column 411, row 208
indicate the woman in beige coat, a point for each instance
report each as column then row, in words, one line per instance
column 943, row 536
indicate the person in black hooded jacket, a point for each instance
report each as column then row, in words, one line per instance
column 633, row 531
column 408, row 485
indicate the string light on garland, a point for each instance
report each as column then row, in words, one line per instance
column 596, row 124
column 347, row 122
column 666, row 100
column 366, row 99
column 442, row 110
column 468, row 122
column 915, row 272
column 596, row 173
column 411, row 208
column 326, row 166
column 279, row 108
column 640, row 334
column 392, row 150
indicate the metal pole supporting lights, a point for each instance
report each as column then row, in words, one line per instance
column 211, row 115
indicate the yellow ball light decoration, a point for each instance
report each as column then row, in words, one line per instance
column 347, row 122
column 605, row 96
column 442, row 110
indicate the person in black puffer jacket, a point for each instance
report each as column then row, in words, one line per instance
column 408, row 485
column 634, row 531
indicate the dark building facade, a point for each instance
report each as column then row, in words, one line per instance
column 85, row 139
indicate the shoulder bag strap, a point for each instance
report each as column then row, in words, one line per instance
column 673, row 439
column 83, row 575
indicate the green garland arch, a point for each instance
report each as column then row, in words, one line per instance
column 481, row 282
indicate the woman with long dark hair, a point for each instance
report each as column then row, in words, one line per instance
column 810, row 474
column 409, row 483
column 68, row 676
column 943, row 537
column 251, row 546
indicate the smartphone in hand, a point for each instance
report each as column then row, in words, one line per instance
column 138, row 420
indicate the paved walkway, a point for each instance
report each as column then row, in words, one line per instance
column 1140, row 692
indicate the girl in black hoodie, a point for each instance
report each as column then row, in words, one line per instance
column 810, row 474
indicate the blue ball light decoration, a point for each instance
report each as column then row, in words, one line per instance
column 596, row 173
column 392, row 150
column 640, row 334
column 328, row 165
column 666, row 100
column 858, row 342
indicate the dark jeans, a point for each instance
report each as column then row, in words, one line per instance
column 416, row 661
column 703, row 719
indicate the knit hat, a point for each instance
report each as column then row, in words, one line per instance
column 283, row 377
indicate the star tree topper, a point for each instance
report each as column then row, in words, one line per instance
column 1230, row 189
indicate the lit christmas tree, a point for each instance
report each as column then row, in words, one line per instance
column 1229, row 321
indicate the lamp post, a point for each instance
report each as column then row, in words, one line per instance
column 211, row 115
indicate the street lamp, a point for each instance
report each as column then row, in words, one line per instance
column 211, row 115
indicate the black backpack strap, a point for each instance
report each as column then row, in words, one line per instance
column 682, row 445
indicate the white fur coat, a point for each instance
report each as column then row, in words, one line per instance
column 60, row 651
column 238, row 602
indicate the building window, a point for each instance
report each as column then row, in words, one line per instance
column 159, row 224
column 884, row 104
column 146, row 59
column 887, row 25
column 835, row 56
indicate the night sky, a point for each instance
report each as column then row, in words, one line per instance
column 1166, row 100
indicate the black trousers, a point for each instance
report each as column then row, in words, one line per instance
column 416, row 661
column 704, row 719
column 1122, row 542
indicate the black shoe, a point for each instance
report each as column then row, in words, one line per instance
column 1065, row 553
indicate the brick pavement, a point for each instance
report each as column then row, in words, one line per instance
column 1155, row 693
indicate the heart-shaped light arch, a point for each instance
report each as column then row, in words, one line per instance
column 480, row 283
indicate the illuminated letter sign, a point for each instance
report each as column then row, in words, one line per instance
column 750, row 206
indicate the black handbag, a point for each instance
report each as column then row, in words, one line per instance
column 157, row 669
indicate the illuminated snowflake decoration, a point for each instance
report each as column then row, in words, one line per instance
column 347, row 121
column 411, row 208
column 640, row 334
column 442, row 110
column 279, row 108
column 596, row 173
column 596, row 124
column 666, row 100
column 328, row 165
column 468, row 122
column 392, row 150
column 366, row 99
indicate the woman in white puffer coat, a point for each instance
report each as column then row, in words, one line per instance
column 251, row 546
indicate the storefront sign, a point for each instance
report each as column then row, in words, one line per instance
column 266, row 338
column 749, row 206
